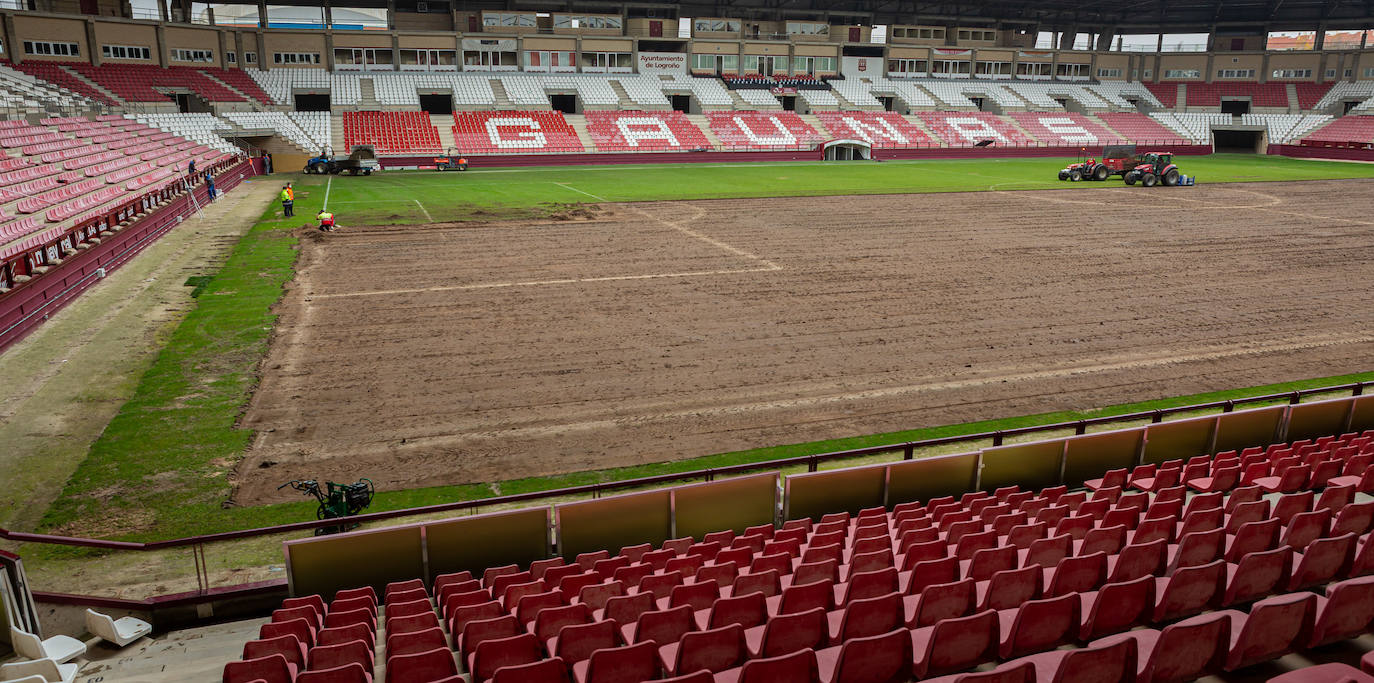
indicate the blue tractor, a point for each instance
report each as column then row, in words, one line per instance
column 363, row 160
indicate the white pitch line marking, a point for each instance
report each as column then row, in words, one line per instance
column 424, row 210
column 327, row 186
column 536, row 283
column 570, row 187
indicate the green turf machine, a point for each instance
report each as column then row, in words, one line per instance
column 336, row 501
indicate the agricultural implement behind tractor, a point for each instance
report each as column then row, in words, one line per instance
column 339, row 500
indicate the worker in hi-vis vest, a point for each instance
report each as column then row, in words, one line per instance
column 288, row 200
column 326, row 221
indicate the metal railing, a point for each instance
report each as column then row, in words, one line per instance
column 812, row 462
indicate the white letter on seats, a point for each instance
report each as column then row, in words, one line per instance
column 528, row 138
column 871, row 132
column 657, row 129
column 1067, row 129
column 782, row 138
column 974, row 129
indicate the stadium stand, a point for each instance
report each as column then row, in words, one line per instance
column 201, row 128
column 762, row 130
column 1141, row 129
column 708, row 91
column 1285, row 128
column 857, row 92
column 961, row 129
column 1166, row 94
column 1347, row 129
column 240, row 81
column 1042, row 95
column 644, row 131
column 1342, row 91
column 1119, row 94
column 307, row 130
column 1310, row 94
column 1168, row 571
column 392, row 132
column 56, row 73
column 139, row 82
column 1261, row 94
column 911, row 94
column 1068, row 128
column 514, row 132
column 881, row 129
column 1194, row 126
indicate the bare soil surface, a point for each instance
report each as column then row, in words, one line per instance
column 442, row 354
column 70, row 375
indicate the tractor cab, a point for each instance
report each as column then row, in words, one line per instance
column 1115, row 160
column 1153, row 168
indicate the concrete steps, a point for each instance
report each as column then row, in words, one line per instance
column 1292, row 90
column 498, row 90
column 814, row 122
column 444, row 124
column 78, row 76
column 336, row 133
column 367, row 95
column 579, row 126
column 700, row 121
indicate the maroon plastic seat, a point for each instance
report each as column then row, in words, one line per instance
column 867, row 585
column 300, row 628
column 414, row 622
column 528, row 605
column 350, row 593
column 1110, row 478
column 787, row 633
column 660, row 585
column 1039, row 625
column 306, row 612
column 1346, row 611
column 766, row 582
column 630, row 664
column 866, row 617
column 1019, row 671
column 537, row 569
column 721, row 575
column 1292, row 479
column 550, row 621
column 342, row 654
column 1189, row 591
column 748, row 610
column 1186, row 650
column 698, row 596
column 313, row 601
column 626, row 609
column 878, row 659
column 1076, row 575
column 474, row 633
column 461, row 615
column 345, row 673
column 1008, row 589
column 421, row 667
column 1116, row 607
column 802, row 597
column 628, row 576
column 595, row 597
column 1333, row 672
column 953, row 644
column 1136, row 560
column 289, row 646
column 346, row 634
column 272, row 669
column 407, row 609
column 337, row 618
column 496, row 653
column 1105, row 663
column 577, row 642
column 1195, row 549
column 1047, row 552
column 552, row 670
column 1258, row 575
column 662, row 626
column 1253, row 537
column 985, row 563
column 1109, row 540
column 413, row 642
column 938, row 602
column 1322, row 561
column 797, row 667
column 715, row 650
column 1288, row 506
column 1356, row 518
column 1273, row 628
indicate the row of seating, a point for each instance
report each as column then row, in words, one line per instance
column 391, row 132
column 905, row 591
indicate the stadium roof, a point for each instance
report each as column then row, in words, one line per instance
column 1120, row 16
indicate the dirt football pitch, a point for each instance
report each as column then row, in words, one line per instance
column 443, row 354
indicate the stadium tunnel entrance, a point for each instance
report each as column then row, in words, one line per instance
column 847, row 150
column 436, row 103
column 312, row 102
column 1238, row 141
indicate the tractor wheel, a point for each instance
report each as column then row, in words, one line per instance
column 1063, row 175
column 441, row 167
column 317, row 168
column 1171, row 178
column 352, row 171
column 1075, row 175
column 1130, row 179
column 1100, row 173
column 367, row 171
column 1150, row 180
column 462, row 167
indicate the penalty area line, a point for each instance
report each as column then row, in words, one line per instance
column 570, row 187
column 424, row 210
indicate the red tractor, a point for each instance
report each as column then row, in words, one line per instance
column 1116, row 160
column 1153, row 168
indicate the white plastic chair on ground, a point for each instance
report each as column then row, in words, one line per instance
column 121, row 632
column 36, row 670
column 57, row 648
